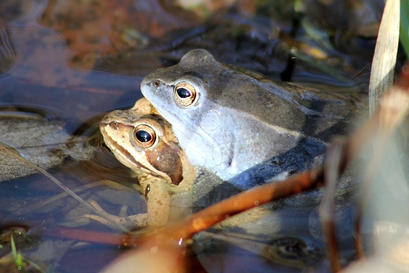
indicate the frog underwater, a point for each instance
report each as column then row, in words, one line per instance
column 229, row 120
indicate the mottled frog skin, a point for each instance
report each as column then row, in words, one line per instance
column 229, row 120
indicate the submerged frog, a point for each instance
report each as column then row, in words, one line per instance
column 144, row 142
column 228, row 120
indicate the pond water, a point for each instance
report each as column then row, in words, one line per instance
column 64, row 64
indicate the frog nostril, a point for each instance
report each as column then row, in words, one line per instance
column 114, row 125
column 156, row 83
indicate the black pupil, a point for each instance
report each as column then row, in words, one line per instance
column 143, row 136
column 183, row 93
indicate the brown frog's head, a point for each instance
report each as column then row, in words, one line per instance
column 144, row 142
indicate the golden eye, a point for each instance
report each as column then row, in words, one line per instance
column 185, row 94
column 144, row 136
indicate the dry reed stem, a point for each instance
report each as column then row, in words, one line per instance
column 384, row 59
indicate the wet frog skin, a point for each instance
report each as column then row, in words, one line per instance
column 144, row 142
column 228, row 120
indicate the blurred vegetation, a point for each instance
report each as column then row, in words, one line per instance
column 404, row 25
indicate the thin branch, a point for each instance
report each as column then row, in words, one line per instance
column 327, row 206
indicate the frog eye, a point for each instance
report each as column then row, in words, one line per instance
column 185, row 94
column 144, row 136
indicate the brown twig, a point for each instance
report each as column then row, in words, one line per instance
column 358, row 237
column 327, row 206
column 84, row 235
column 241, row 202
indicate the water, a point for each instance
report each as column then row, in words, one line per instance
column 75, row 61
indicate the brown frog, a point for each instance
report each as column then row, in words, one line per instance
column 144, row 142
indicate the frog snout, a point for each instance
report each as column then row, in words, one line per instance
column 151, row 83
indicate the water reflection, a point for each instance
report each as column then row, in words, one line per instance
column 80, row 59
column 7, row 52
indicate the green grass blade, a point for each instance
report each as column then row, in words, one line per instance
column 18, row 258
